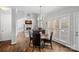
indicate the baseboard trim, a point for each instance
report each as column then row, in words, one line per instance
column 13, row 43
column 5, row 41
column 66, row 45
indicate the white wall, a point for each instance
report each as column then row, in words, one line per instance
column 62, row 11
column 8, row 25
column 21, row 16
column 20, row 21
column 20, row 24
column 35, row 21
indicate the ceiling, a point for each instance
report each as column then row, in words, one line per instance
column 36, row 9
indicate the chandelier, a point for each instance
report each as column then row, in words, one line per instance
column 40, row 18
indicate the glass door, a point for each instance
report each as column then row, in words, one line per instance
column 64, row 29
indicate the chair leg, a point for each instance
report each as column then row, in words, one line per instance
column 33, row 49
column 29, row 42
column 39, row 49
column 51, row 45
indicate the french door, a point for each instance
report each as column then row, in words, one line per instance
column 64, row 29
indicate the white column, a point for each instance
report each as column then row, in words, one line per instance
column 35, row 22
column 13, row 31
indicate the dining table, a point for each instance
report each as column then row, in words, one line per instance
column 44, row 36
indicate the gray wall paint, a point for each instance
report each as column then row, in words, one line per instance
column 62, row 11
column 21, row 15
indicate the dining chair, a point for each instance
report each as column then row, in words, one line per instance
column 43, row 31
column 31, row 37
column 49, row 40
column 37, row 43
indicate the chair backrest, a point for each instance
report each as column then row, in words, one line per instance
column 36, row 38
column 43, row 31
column 30, row 35
column 51, row 36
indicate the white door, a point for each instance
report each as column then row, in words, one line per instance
column 76, row 42
column 64, row 29
column 5, row 27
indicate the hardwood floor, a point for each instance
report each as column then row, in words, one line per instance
column 22, row 45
